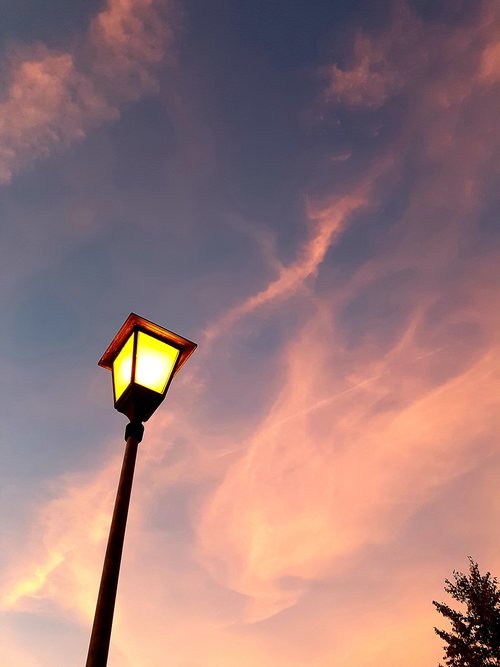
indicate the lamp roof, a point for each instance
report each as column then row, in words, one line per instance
column 136, row 323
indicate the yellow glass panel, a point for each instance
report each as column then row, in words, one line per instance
column 122, row 367
column 154, row 363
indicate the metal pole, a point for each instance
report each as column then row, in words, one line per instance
column 103, row 618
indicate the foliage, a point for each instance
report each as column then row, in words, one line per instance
column 474, row 636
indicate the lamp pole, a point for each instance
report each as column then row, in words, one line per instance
column 103, row 618
column 143, row 358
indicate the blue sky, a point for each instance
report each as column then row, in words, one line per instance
column 310, row 192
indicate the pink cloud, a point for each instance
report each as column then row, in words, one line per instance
column 490, row 63
column 326, row 226
column 327, row 472
column 369, row 81
column 411, row 54
column 371, row 423
column 54, row 98
column 13, row 653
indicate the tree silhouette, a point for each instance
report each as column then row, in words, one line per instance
column 474, row 636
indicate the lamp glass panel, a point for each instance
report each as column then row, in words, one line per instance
column 154, row 363
column 122, row 367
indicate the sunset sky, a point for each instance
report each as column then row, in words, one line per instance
column 309, row 190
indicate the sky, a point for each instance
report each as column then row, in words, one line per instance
column 311, row 192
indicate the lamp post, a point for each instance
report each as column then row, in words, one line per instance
column 143, row 358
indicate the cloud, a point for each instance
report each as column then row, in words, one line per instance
column 67, row 547
column 369, row 81
column 52, row 99
column 372, row 417
column 411, row 54
column 325, row 475
column 13, row 653
column 325, row 227
column 490, row 63
column 387, row 398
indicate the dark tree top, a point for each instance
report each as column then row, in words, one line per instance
column 474, row 637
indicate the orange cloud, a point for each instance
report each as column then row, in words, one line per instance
column 59, row 562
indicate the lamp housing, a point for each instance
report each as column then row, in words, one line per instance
column 143, row 358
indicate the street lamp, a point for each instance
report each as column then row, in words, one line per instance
column 143, row 358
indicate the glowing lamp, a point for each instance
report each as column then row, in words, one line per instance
column 143, row 358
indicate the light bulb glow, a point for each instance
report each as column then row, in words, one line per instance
column 155, row 362
column 122, row 367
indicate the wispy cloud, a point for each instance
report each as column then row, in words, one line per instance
column 325, row 227
column 362, row 434
column 387, row 396
column 54, row 98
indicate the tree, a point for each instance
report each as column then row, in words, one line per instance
column 474, row 636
